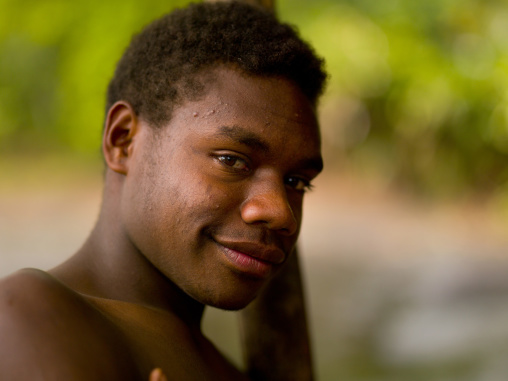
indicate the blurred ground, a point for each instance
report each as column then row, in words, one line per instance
column 397, row 289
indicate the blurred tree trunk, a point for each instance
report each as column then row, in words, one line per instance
column 274, row 327
column 274, row 330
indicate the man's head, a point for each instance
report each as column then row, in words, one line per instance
column 168, row 62
column 208, row 167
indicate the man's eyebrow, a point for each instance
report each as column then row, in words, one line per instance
column 245, row 137
column 250, row 139
column 315, row 164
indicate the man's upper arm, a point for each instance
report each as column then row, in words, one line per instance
column 48, row 332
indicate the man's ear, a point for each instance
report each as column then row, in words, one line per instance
column 119, row 131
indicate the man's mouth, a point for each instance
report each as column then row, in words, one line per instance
column 251, row 258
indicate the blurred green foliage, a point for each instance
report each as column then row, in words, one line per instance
column 418, row 91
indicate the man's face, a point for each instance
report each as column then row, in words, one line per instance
column 214, row 199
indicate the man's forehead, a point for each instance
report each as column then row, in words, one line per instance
column 255, row 110
column 262, row 96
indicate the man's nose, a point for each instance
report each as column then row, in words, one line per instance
column 267, row 203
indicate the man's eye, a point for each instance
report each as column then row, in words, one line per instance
column 234, row 162
column 298, row 183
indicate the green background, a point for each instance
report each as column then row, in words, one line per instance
column 418, row 89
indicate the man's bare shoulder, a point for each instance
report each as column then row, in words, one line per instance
column 49, row 331
column 30, row 289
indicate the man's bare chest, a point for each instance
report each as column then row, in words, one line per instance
column 156, row 339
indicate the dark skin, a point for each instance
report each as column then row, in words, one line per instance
column 203, row 211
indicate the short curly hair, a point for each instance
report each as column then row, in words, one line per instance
column 160, row 68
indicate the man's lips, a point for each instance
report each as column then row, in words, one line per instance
column 251, row 258
column 266, row 253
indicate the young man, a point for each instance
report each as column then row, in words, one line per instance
column 210, row 142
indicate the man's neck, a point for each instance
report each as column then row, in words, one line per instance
column 109, row 266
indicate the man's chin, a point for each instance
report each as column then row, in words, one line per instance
column 232, row 304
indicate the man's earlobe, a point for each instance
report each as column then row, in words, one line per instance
column 119, row 131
